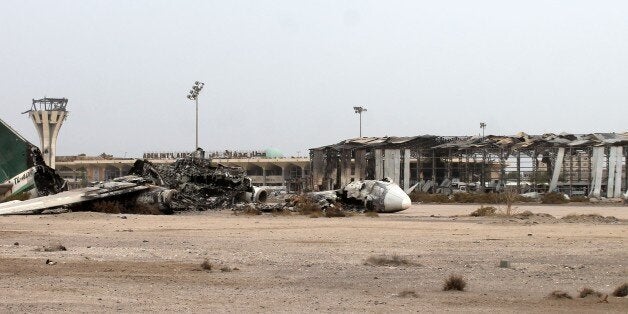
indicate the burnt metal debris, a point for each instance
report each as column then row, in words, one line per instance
column 200, row 185
column 47, row 181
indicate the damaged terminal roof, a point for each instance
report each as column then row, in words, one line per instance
column 523, row 141
column 484, row 163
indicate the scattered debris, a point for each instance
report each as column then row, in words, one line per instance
column 504, row 264
column 49, row 262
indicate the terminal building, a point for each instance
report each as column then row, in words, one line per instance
column 264, row 167
column 575, row 164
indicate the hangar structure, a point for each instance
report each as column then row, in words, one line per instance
column 576, row 164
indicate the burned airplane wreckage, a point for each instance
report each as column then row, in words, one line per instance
column 22, row 167
column 199, row 185
column 194, row 184
column 188, row 184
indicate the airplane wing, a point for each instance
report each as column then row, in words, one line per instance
column 39, row 204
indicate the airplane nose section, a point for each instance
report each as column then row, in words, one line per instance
column 396, row 200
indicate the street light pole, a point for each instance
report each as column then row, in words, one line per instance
column 193, row 95
column 359, row 111
column 196, row 100
column 483, row 127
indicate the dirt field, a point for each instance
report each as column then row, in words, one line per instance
column 295, row 263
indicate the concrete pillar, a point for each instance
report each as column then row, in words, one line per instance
column 48, row 123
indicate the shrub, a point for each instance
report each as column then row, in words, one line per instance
column 252, row 211
column 585, row 292
column 464, row 198
column 454, row 282
column 579, row 198
column 281, row 212
column 334, row 212
column 206, row 265
column 553, row 198
column 621, row 291
column 306, row 206
column 484, row 211
column 429, row 198
column 385, row 260
column 52, row 248
column 557, row 294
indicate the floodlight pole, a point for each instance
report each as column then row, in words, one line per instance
column 196, row 100
column 193, row 95
column 359, row 111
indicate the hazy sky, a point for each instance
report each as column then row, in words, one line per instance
column 286, row 74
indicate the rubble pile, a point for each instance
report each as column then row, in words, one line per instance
column 200, row 185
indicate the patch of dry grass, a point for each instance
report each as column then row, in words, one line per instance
column 559, row 295
column 454, row 282
column 407, row 294
column 579, row 199
column 371, row 214
column 51, row 248
column 590, row 218
column 585, row 292
column 389, row 260
column 554, row 198
column 621, row 291
column 305, row 206
column 251, row 211
column 335, row 211
column 484, row 211
column 281, row 212
column 206, row 265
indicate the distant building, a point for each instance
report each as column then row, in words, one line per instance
column 576, row 164
column 291, row 172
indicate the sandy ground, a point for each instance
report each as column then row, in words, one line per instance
column 134, row 263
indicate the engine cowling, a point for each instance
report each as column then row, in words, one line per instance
column 258, row 195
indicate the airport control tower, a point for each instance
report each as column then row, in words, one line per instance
column 48, row 115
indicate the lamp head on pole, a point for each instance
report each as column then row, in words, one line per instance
column 359, row 110
column 196, row 89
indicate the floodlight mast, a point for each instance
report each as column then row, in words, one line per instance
column 359, row 111
column 483, row 127
column 193, row 95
